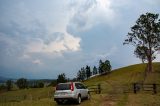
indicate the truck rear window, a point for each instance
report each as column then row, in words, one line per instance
column 63, row 87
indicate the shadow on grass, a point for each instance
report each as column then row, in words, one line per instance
column 71, row 103
column 68, row 103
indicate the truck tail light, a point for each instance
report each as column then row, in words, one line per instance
column 56, row 88
column 72, row 87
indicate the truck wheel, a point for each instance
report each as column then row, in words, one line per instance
column 59, row 102
column 88, row 96
column 79, row 99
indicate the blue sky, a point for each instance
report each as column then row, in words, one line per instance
column 43, row 38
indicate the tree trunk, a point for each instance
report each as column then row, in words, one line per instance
column 149, row 64
column 150, row 60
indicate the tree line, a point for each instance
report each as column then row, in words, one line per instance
column 21, row 83
column 87, row 72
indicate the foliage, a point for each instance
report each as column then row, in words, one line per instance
column 140, row 53
column 37, row 84
column 2, row 87
column 95, row 70
column 100, row 67
column 22, row 83
column 53, row 83
column 61, row 78
column 88, row 71
column 85, row 73
column 9, row 85
column 40, row 85
column 104, row 67
column 145, row 36
column 81, row 75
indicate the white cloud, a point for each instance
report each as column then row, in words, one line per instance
column 37, row 61
column 62, row 43
column 104, row 12
column 88, row 13
column 37, row 27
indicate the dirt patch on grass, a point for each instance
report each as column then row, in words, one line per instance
column 108, row 101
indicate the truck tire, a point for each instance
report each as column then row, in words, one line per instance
column 79, row 99
column 59, row 102
column 88, row 96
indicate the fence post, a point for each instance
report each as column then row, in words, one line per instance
column 99, row 88
column 154, row 88
column 134, row 88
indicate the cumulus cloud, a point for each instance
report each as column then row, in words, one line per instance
column 63, row 43
column 37, row 33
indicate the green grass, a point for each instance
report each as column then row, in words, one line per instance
column 26, row 94
column 113, row 85
column 112, row 90
column 26, row 97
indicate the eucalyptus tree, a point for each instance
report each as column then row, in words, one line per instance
column 145, row 37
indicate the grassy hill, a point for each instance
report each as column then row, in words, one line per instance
column 112, row 94
column 114, row 84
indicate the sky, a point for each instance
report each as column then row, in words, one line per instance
column 44, row 38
